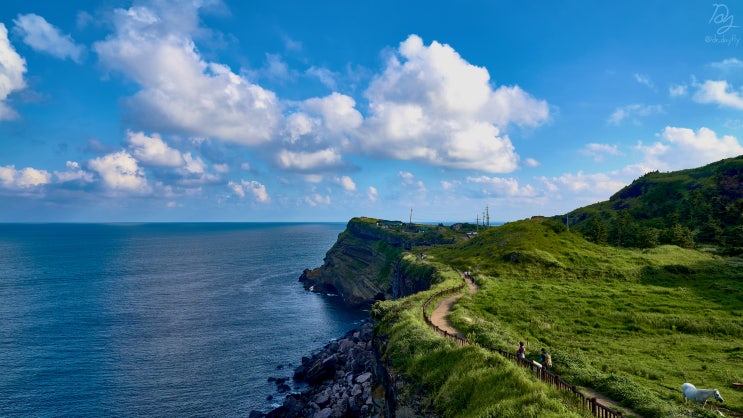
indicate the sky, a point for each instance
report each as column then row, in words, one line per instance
column 430, row 111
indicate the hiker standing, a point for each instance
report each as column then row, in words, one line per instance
column 521, row 352
column 546, row 359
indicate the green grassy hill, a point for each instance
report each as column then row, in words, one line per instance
column 631, row 324
column 640, row 294
column 701, row 205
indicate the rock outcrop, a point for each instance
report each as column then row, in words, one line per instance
column 341, row 381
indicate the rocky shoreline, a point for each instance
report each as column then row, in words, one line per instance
column 342, row 381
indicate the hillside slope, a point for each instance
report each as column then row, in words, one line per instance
column 701, row 205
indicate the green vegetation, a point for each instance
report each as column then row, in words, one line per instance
column 631, row 324
column 459, row 381
column 701, row 205
column 661, row 306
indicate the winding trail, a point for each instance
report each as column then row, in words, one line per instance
column 440, row 315
column 440, row 318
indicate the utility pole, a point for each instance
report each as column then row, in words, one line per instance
column 477, row 223
column 410, row 222
column 487, row 216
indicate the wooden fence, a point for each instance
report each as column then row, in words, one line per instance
column 597, row 408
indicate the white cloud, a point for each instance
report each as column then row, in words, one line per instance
column 221, row 168
column 318, row 131
column 346, row 183
column 180, row 91
column 644, row 79
column 193, row 165
column 338, row 112
column 682, row 148
column 599, row 151
column 372, row 194
column 530, row 162
column 25, row 178
column 276, row 68
column 307, row 161
column 677, row 90
column 634, row 111
column 74, row 173
column 316, row 199
column 254, row 188
column 152, row 150
column 719, row 92
column 431, row 105
column 45, row 37
column 599, row 185
column 449, row 185
column 12, row 68
column 324, row 75
column 728, row 64
column 120, row 171
column 410, row 182
column 508, row 187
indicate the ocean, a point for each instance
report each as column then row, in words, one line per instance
column 181, row 319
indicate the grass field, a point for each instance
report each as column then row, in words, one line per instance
column 631, row 324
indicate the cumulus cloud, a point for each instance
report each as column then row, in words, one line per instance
column 449, row 185
column 324, row 75
column 634, row 112
column 316, row 199
column 600, row 185
column 221, row 168
column 45, row 37
column 25, row 178
column 120, row 172
column 681, row 148
column 531, row 162
column 316, row 133
column 719, row 92
column 152, row 150
column 74, row 173
column 308, row 161
column 338, row 113
column 409, row 181
column 599, row 151
column 252, row 188
column 372, row 194
column 346, row 183
column 181, row 91
column 507, row 187
column 12, row 68
column 677, row 90
column 431, row 105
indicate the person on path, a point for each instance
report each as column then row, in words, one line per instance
column 546, row 359
column 521, row 352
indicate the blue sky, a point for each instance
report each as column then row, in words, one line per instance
column 209, row 110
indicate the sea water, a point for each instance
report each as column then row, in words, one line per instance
column 158, row 319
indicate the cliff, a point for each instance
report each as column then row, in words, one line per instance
column 365, row 264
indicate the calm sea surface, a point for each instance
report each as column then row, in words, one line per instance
column 158, row 319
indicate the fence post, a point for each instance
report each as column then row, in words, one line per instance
column 593, row 406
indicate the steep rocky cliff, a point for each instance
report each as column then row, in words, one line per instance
column 365, row 265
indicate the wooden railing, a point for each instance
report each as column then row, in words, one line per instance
column 596, row 407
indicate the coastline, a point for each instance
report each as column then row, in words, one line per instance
column 341, row 379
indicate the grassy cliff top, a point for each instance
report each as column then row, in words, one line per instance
column 632, row 323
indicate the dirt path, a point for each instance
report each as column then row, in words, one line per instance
column 440, row 315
